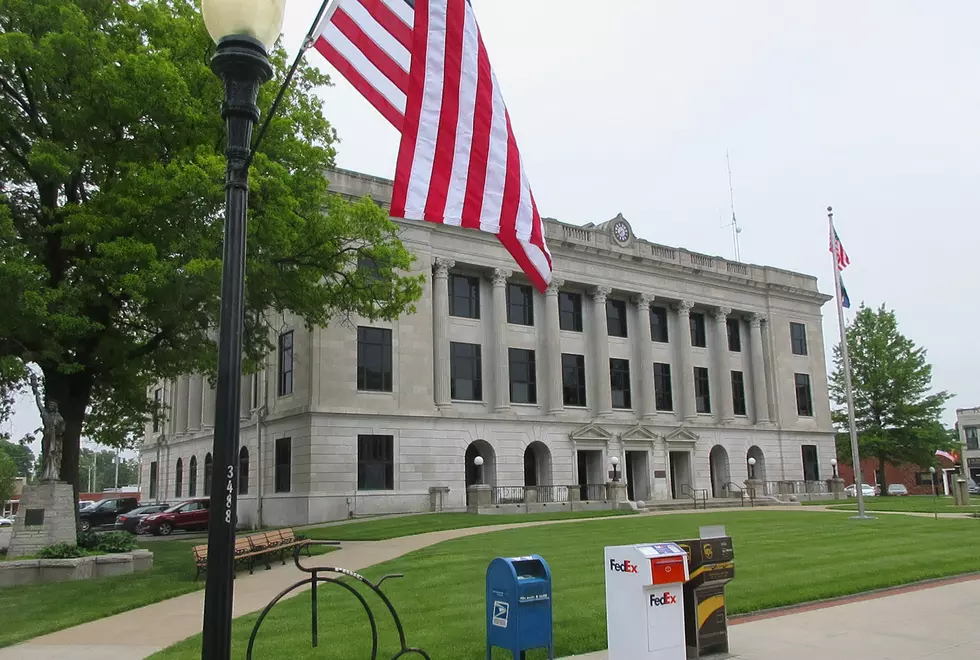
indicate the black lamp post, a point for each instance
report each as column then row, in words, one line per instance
column 751, row 462
column 833, row 464
column 478, row 463
column 614, row 461
column 243, row 30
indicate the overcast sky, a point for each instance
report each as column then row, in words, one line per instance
column 628, row 106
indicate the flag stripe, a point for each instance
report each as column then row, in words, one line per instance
column 391, row 60
column 395, row 16
column 442, row 166
column 406, row 149
column 480, row 150
column 469, row 78
column 393, row 112
column 497, row 163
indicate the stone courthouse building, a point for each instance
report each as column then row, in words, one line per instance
column 680, row 364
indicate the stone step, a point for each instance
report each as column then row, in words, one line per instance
column 712, row 503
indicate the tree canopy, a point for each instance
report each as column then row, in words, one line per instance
column 20, row 453
column 111, row 211
column 896, row 412
column 8, row 478
column 98, row 470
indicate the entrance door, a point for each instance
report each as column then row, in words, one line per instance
column 680, row 473
column 628, row 473
column 811, row 464
column 637, row 476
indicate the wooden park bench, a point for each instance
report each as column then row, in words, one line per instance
column 255, row 546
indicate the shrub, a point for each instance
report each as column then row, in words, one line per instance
column 116, row 542
column 88, row 540
column 61, row 551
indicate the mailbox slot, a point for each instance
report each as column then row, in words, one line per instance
column 668, row 570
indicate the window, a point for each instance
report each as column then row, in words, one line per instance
column 520, row 304
column 375, row 462
column 243, row 471
column 658, row 324
column 734, row 335
column 192, row 477
column 662, row 386
column 153, row 480
column 374, row 359
column 464, row 296
column 286, row 363
column 465, row 365
column 179, row 479
column 284, row 464
column 811, row 464
column 738, row 393
column 972, row 439
column 797, row 335
column 208, row 470
column 616, row 318
column 157, row 402
column 256, row 379
column 573, row 379
column 523, row 386
column 702, row 390
column 925, row 478
column 570, row 311
column 804, row 403
column 619, row 382
column 698, row 335
column 368, row 268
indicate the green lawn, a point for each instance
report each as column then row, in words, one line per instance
column 38, row 609
column 389, row 528
column 911, row 503
column 781, row 558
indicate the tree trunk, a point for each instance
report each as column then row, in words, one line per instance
column 73, row 393
column 884, row 480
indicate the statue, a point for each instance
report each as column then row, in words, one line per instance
column 54, row 430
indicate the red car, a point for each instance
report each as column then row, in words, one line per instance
column 189, row 515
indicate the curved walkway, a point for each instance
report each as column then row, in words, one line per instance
column 163, row 624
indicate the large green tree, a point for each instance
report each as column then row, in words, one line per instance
column 97, row 470
column 20, row 453
column 8, row 478
column 896, row 412
column 111, row 211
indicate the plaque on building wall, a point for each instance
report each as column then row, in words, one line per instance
column 34, row 518
column 660, row 474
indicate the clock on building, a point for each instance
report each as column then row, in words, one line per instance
column 621, row 231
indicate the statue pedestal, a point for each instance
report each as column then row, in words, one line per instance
column 46, row 516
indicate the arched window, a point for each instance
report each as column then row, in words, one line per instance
column 243, row 471
column 207, row 474
column 179, row 479
column 192, row 478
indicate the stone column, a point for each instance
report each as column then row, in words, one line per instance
column 501, row 370
column 602, row 397
column 552, row 342
column 180, row 404
column 208, row 405
column 647, row 407
column 440, row 331
column 195, row 402
column 688, row 410
column 759, row 394
column 723, row 368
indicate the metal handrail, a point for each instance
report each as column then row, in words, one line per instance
column 741, row 491
column 689, row 491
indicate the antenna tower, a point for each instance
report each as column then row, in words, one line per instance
column 736, row 230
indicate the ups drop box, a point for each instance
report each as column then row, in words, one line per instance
column 711, row 567
column 645, row 601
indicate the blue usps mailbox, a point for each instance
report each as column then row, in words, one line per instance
column 519, row 615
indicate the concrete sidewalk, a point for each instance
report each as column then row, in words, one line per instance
column 920, row 624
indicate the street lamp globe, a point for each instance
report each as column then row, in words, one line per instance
column 833, row 462
column 932, row 470
column 259, row 19
column 478, row 461
column 614, row 461
column 752, row 462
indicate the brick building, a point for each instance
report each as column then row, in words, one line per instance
column 914, row 477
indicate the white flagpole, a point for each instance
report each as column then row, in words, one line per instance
column 855, row 453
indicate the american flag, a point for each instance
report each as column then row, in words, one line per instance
column 837, row 249
column 423, row 65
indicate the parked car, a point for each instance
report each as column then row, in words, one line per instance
column 189, row 515
column 972, row 487
column 128, row 522
column 104, row 512
column 866, row 490
column 6, row 522
column 897, row 489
